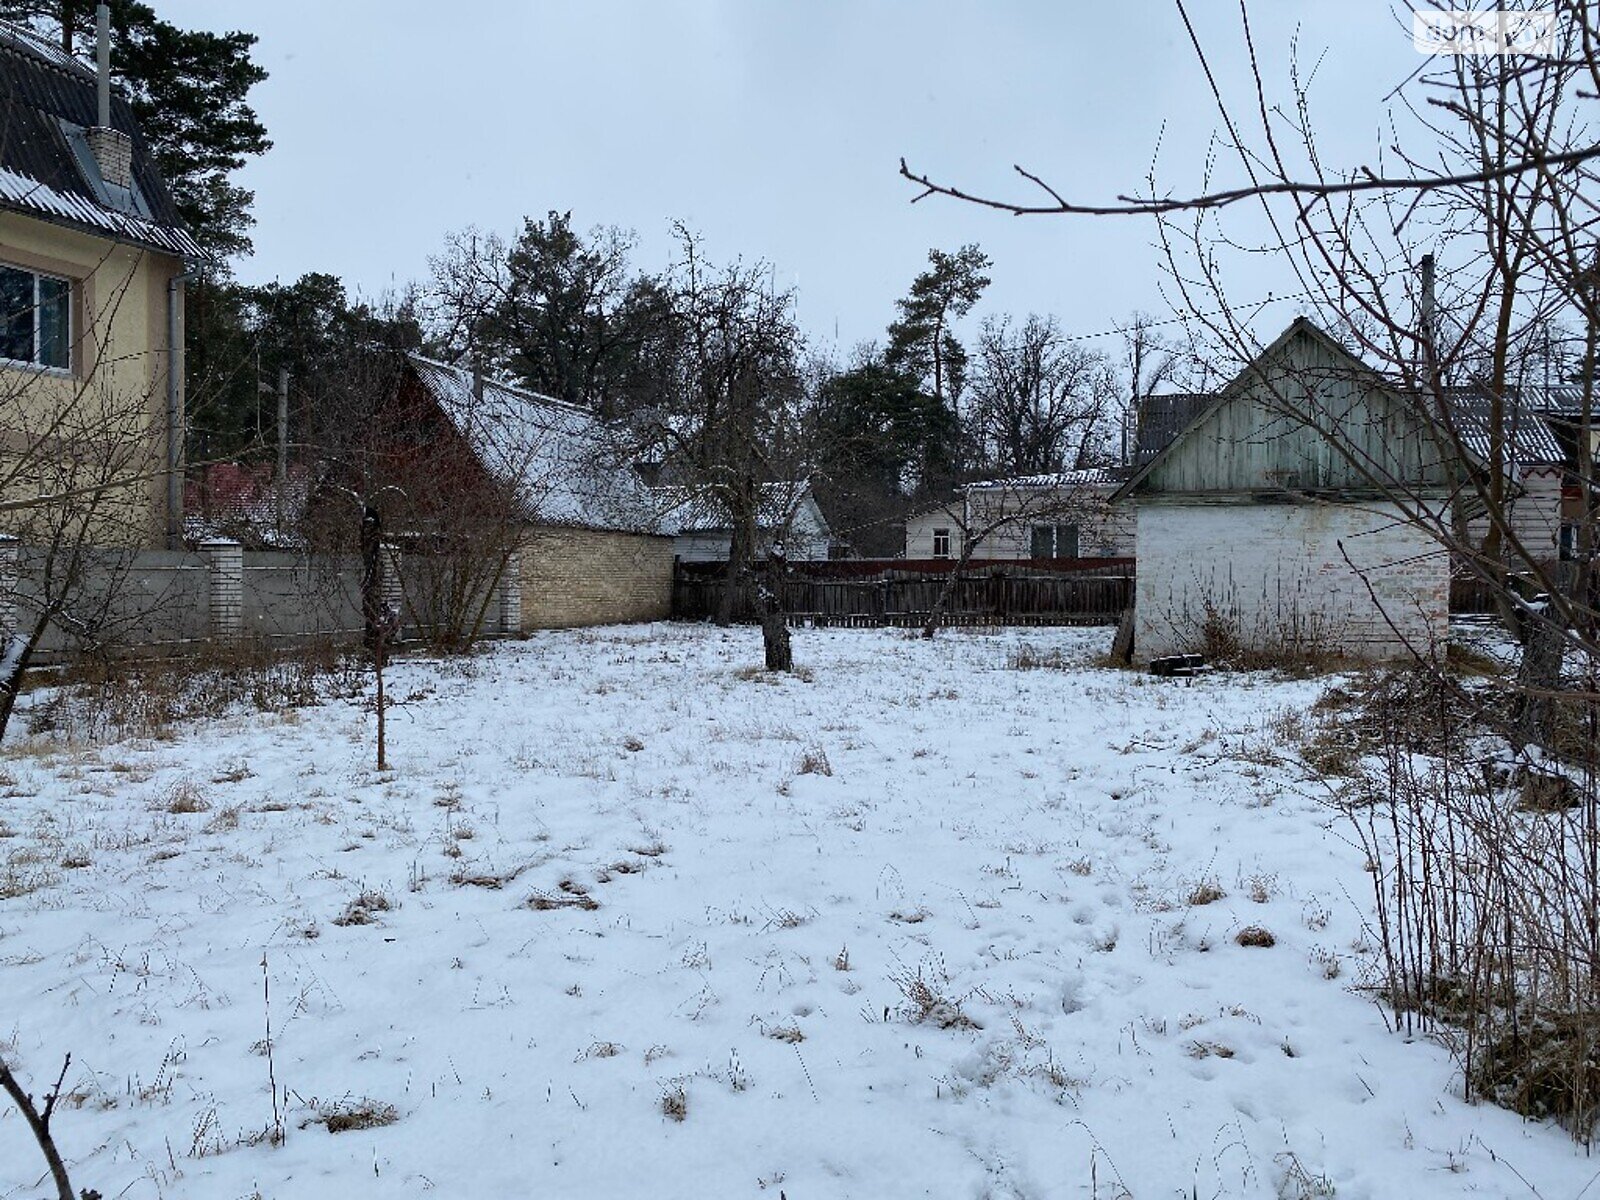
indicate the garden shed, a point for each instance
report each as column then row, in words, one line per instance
column 1292, row 515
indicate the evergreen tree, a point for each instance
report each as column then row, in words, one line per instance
column 885, row 444
column 923, row 341
column 559, row 311
column 239, row 339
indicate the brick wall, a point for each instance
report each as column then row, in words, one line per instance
column 592, row 577
column 1276, row 573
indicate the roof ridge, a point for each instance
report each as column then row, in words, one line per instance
column 527, row 393
column 34, row 44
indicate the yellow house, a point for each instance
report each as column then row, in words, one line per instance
column 92, row 267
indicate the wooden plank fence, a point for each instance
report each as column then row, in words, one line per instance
column 985, row 594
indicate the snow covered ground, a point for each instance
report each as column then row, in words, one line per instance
column 627, row 919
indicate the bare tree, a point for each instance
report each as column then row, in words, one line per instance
column 1040, row 402
column 731, row 418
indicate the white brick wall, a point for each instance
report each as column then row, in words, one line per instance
column 1276, row 573
column 226, row 561
column 9, row 556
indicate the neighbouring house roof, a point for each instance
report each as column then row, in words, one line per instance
column 1529, row 440
column 1163, row 418
column 1085, row 477
column 47, row 102
column 1532, row 442
column 1563, row 401
column 561, row 461
column 694, row 510
column 247, row 503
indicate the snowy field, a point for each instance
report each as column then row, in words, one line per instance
column 627, row 919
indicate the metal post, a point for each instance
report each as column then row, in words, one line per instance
column 102, row 61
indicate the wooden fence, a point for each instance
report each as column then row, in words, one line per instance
column 884, row 593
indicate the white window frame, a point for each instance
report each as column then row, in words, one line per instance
column 941, row 535
column 72, row 320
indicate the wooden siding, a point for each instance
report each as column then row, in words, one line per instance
column 1269, row 430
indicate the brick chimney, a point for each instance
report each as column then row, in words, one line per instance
column 112, row 150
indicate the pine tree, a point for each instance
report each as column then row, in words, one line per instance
column 923, row 340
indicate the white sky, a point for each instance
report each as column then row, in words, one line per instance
column 774, row 127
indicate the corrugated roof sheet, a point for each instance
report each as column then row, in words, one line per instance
column 689, row 510
column 43, row 93
column 31, row 196
column 562, row 462
column 1084, row 477
column 1529, row 441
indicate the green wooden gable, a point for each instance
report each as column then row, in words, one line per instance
column 1306, row 416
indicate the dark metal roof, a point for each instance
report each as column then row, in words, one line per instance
column 1162, row 418
column 45, row 95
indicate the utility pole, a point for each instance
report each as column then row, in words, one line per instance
column 283, row 425
column 283, row 443
column 1430, row 359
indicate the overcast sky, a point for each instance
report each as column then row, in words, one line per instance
column 774, row 127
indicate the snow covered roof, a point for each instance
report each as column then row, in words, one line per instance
column 48, row 101
column 248, row 504
column 561, row 460
column 692, row 510
column 1084, row 477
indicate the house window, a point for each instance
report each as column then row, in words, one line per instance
column 35, row 318
column 941, row 543
column 1055, row 541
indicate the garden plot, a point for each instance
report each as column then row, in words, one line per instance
column 628, row 918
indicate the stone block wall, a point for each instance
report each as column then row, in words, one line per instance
column 576, row 577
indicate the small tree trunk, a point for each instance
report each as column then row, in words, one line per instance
column 1539, row 677
column 378, row 619
column 738, row 556
column 942, row 597
column 1122, row 643
column 16, row 652
column 774, row 622
column 39, row 1125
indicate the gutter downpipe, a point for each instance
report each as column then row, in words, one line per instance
column 175, row 360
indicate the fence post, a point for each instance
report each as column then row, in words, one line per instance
column 225, row 564
column 394, row 591
column 511, row 595
column 10, row 558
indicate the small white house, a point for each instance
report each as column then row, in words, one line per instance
column 1256, row 522
column 703, row 531
column 935, row 532
column 1066, row 515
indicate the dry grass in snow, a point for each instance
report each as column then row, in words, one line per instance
column 628, row 919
